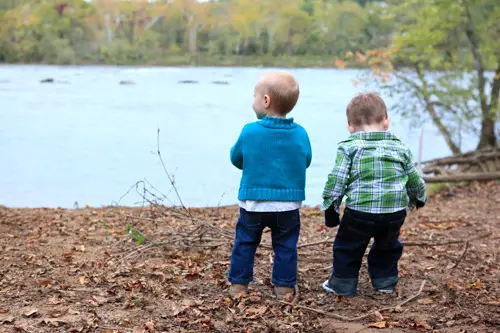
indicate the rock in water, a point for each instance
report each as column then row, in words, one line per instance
column 188, row 82
column 48, row 80
column 127, row 82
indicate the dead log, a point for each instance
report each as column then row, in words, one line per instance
column 463, row 177
column 466, row 158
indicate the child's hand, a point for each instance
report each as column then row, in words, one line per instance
column 332, row 218
column 420, row 204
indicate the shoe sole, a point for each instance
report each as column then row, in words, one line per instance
column 385, row 291
column 328, row 289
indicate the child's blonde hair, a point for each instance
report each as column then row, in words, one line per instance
column 283, row 89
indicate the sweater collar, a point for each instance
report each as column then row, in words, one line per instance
column 272, row 122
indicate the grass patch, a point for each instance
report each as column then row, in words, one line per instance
column 433, row 189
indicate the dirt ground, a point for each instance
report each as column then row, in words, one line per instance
column 82, row 271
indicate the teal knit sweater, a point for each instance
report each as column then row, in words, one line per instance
column 273, row 154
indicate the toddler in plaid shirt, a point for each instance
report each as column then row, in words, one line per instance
column 374, row 170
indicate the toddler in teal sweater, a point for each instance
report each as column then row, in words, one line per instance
column 274, row 154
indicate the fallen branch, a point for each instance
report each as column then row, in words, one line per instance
column 443, row 221
column 463, row 177
column 142, row 249
column 139, row 218
column 430, row 244
column 113, row 329
column 468, row 157
column 296, row 297
column 466, row 247
column 344, row 318
column 424, row 244
column 314, row 243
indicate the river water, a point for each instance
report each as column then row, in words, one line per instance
column 86, row 139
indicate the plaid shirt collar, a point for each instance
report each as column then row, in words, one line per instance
column 372, row 136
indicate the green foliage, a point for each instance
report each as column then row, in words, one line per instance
column 133, row 32
column 57, row 51
column 137, row 237
column 448, row 47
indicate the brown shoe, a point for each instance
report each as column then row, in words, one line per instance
column 283, row 293
column 236, row 289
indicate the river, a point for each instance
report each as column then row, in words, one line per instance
column 85, row 139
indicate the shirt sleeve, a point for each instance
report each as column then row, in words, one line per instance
column 337, row 180
column 236, row 153
column 309, row 152
column 415, row 187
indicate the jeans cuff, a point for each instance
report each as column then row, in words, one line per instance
column 343, row 286
column 385, row 283
column 239, row 281
column 286, row 284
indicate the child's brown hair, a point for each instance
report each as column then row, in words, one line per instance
column 366, row 108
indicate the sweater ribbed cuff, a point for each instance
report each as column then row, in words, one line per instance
column 271, row 194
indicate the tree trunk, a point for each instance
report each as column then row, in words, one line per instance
column 488, row 136
column 270, row 41
column 193, row 38
column 192, row 32
column 109, row 31
column 289, row 42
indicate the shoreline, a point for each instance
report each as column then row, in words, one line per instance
column 133, row 208
column 217, row 62
column 277, row 65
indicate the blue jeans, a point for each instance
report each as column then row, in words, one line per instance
column 353, row 236
column 285, row 229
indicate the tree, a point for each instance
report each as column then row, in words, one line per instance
column 448, row 57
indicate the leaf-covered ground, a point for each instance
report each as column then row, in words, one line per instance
column 80, row 271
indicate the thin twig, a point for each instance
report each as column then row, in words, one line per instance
column 340, row 317
column 168, row 242
column 140, row 218
column 464, row 253
column 424, row 244
column 485, row 235
column 443, row 221
column 296, row 297
column 314, row 243
column 170, row 178
column 106, row 328
column 142, row 249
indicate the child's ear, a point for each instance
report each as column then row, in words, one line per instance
column 387, row 121
column 267, row 101
column 350, row 128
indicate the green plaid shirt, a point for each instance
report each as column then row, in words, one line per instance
column 375, row 171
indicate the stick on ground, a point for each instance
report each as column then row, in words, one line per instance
column 344, row 318
column 423, row 244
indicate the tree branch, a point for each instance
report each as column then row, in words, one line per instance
column 434, row 115
column 337, row 316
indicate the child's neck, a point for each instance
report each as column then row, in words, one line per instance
column 371, row 128
column 274, row 114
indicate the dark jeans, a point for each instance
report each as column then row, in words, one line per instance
column 285, row 228
column 353, row 236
